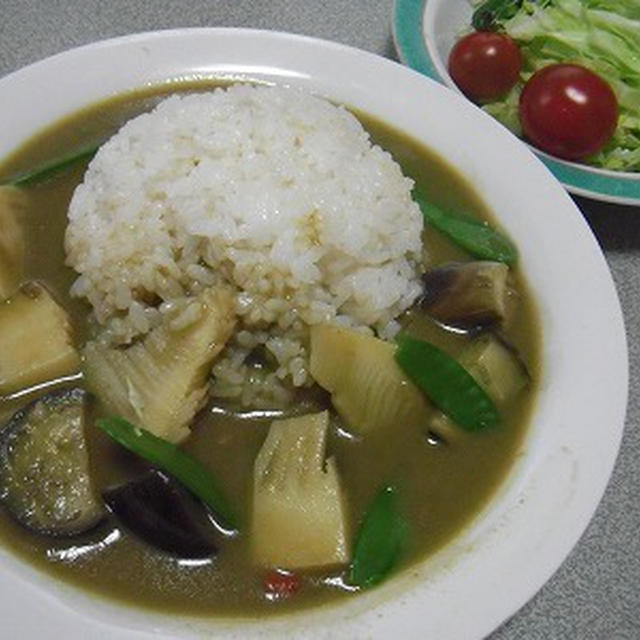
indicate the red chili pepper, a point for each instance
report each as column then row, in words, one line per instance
column 279, row 584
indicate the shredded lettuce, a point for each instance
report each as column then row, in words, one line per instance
column 603, row 35
column 626, row 8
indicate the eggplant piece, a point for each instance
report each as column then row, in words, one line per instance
column 468, row 296
column 44, row 466
column 158, row 512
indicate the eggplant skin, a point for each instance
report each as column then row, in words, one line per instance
column 45, row 481
column 159, row 513
column 471, row 296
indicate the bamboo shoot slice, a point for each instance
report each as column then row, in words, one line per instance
column 160, row 383
column 368, row 388
column 35, row 340
column 12, row 203
column 496, row 368
column 299, row 516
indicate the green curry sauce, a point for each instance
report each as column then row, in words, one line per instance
column 440, row 486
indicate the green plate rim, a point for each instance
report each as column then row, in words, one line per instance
column 408, row 37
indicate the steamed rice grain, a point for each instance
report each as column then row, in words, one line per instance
column 277, row 192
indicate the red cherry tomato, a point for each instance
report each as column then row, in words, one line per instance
column 485, row 65
column 568, row 111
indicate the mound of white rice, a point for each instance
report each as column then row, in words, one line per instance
column 277, row 192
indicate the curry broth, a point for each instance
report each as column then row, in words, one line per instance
column 441, row 487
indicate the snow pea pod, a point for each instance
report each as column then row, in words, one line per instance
column 172, row 460
column 447, row 383
column 50, row 168
column 474, row 236
column 379, row 540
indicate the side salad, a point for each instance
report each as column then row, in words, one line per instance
column 572, row 86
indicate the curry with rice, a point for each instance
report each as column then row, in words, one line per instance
column 168, row 451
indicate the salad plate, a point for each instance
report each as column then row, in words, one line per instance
column 544, row 505
column 424, row 32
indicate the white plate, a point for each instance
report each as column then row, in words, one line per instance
column 525, row 532
column 424, row 31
